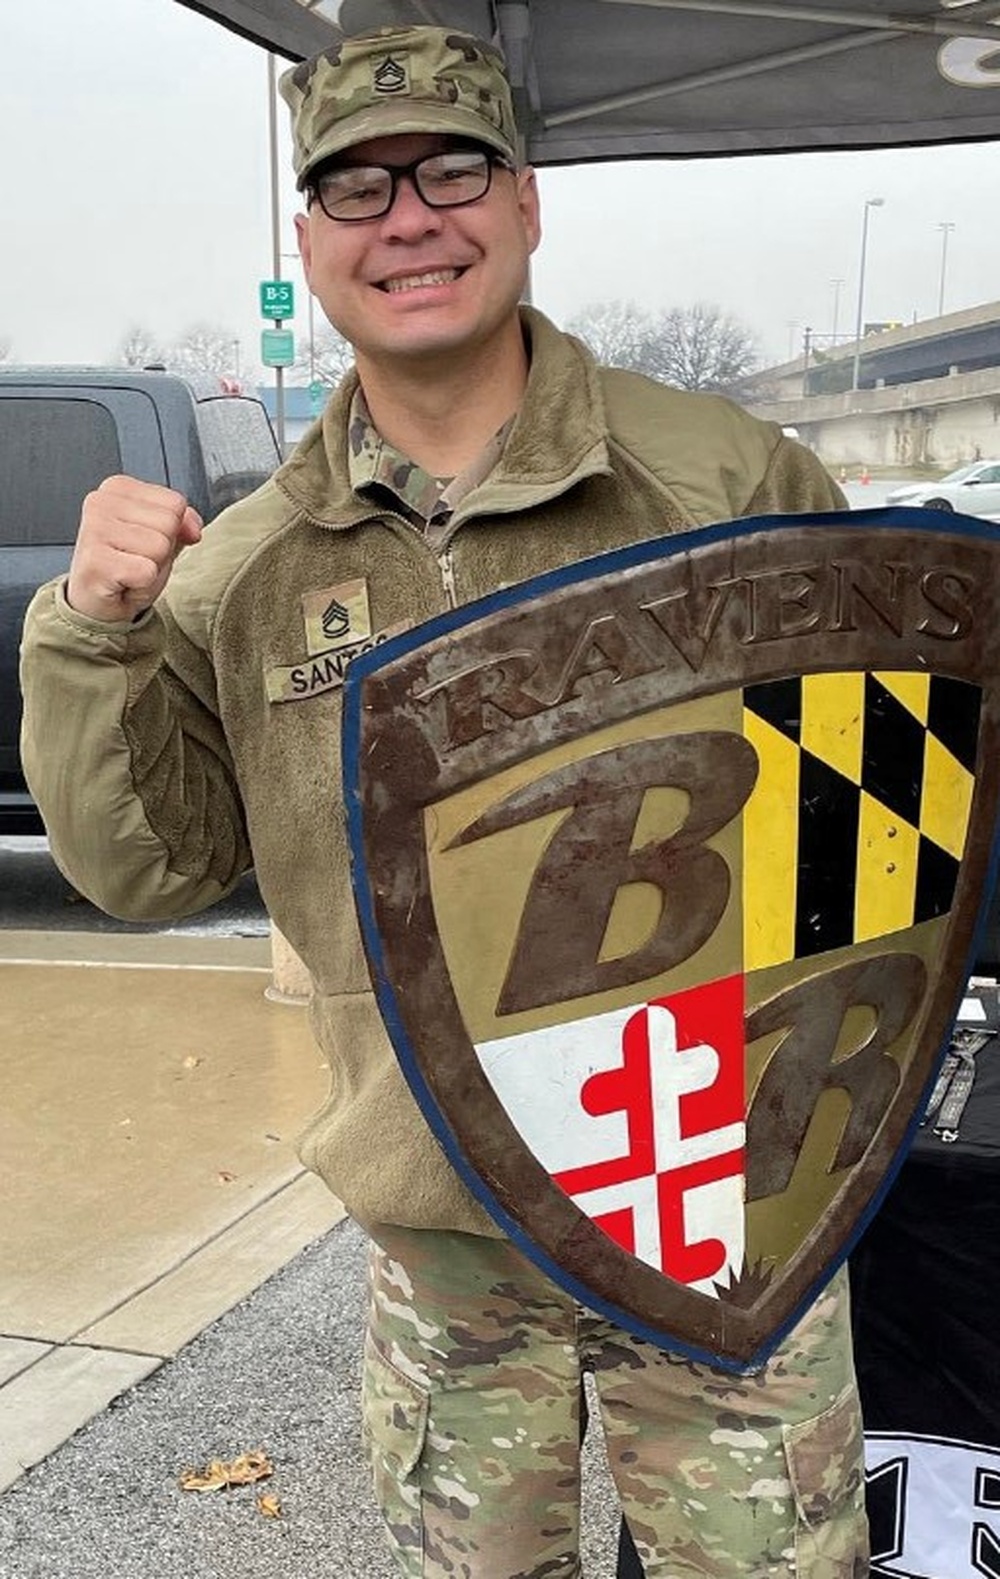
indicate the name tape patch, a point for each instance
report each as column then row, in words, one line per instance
column 338, row 626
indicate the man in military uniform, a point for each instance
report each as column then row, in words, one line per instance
column 196, row 694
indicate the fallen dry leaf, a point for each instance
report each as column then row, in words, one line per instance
column 250, row 1467
column 225, row 1177
column 191, row 1061
column 212, row 1478
column 269, row 1506
column 220, row 1473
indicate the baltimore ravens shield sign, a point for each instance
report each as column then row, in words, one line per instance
column 668, row 867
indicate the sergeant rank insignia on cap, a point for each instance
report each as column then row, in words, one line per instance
column 391, row 76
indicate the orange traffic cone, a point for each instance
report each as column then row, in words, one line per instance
column 865, row 475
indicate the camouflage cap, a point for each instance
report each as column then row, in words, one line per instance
column 413, row 79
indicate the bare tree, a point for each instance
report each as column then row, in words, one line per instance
column 699, row 347
column 204, row 348
column 615, row 331
column 328, row 358
column 138, row 348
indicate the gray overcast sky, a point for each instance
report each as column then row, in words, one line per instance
column 135, row 189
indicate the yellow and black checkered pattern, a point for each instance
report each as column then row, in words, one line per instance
column 858, row 820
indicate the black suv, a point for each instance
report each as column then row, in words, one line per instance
column 62, row 431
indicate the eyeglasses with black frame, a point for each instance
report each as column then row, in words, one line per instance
column 349, row 193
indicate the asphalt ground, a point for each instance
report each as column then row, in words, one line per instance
column 34, row 896
column 279, row 1373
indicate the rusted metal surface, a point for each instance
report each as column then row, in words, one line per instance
column 668, row 876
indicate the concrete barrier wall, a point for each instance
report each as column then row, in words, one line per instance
column 937, row 423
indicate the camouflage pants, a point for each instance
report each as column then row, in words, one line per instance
column 472, row 1392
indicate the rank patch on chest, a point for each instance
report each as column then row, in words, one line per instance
column 337, row 617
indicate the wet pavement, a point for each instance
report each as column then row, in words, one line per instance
column 152, row 1093
column 869, row 495
column 35, row 896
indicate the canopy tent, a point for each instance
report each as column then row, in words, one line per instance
column 622, row 79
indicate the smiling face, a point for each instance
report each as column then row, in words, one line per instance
column 424, row 283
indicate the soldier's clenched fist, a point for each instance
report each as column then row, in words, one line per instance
column 130, row 534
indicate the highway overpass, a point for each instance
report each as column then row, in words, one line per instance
column 928, row 395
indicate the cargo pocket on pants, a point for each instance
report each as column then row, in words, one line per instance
column 825, row 1457
column 394, row 1412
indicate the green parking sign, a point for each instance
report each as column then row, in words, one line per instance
column 277, row 347
column 277, row 299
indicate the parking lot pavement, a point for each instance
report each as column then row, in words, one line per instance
column 870, row 495
column 36, row 897
column 152, row 1094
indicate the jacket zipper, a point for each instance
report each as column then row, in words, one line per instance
column 446, row 565
column 443, row 555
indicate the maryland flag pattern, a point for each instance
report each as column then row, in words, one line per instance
column 858, row 821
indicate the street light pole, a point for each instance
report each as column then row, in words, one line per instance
column 870, row 203
column 311, row 310
column 836, row 310
column 946, row 227
column 272, row 125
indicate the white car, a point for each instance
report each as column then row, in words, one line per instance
column 974, row 490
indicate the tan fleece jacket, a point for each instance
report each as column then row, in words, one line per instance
column 165, row 764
